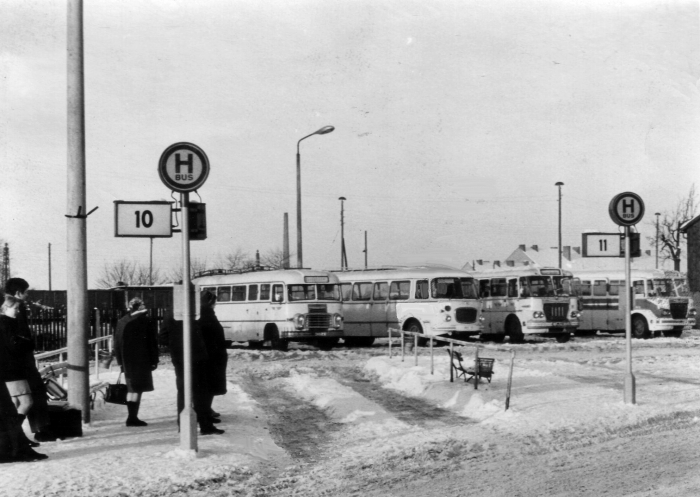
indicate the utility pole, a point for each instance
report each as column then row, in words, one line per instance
column 657, row 239
column 285, row 243
column 365, row 250
column 343, row 255
column 5, row 264
column 559, row 184
column 49, row 267
column 77, row 309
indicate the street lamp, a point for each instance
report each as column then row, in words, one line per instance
column 322, row 131
column 657, row 239
column 343, row 255
column 559, row 184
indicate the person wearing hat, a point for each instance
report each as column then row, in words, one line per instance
column 136, row 351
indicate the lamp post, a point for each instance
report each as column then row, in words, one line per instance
column 559, row 184
column 657, row 239
column 343, row 255
column 322, row 131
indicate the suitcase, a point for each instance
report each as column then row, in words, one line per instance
column 65, row 421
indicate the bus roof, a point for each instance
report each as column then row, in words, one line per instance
column 506, row 272
column 399, row 272
column 287, row 276
column 646, row 274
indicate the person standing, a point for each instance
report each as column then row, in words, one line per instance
column 15, row 393
column 136, row 351
column 38, row 415
column 215, row 343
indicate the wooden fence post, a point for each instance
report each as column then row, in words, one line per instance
column 510, row 378
column 476, row 368
column 403, row 345
column 432, row 363
column 452, row 374
column 415, row 350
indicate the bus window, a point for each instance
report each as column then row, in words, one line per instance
column 381, row 291
column 513, row 287
column 346, row 291
column 301, row 292
column 445, row 288
column 600, row 288
column 663, row 288
column 639, row 287
column 681, row 287
column 498, row 287
column 265, row 291
column 238, row 293
column 210, row 289
column 277, row 293
column 422, row 289
column 525, row 288
column 585, row 288
column 362, row 291
column 484, row 289
column 223, row 294
column 615, row 286
column 400, row 290
column 253, row 292
column 469, row 290
column 328, row 292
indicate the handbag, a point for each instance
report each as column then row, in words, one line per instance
column 116, row 392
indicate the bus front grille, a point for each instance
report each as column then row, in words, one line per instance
column 679, row 310
column 465, row 315
column 319, row 321
column 556, row 312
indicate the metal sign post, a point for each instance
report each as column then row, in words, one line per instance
column 184, row 167
column 627, row 209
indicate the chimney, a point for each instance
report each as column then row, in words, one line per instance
column 480, row 262
column 510, row 263
column 534, row 247
column 577, row 250
column 526, row 263
column 647, row 252
column 496, row 263
column 522, row 247
column 566, row 249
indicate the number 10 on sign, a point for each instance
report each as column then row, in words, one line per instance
column 143, row 219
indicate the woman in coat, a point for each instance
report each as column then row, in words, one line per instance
column 215, row 343
column 136, row 350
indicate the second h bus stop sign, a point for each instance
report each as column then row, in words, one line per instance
column 183, row 167
column 626, row 209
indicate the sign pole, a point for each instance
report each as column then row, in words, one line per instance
column 629, row 295
column 188, row 418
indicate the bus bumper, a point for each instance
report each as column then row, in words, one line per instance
column 670, row 324
column 301, row 335
column 549, row 326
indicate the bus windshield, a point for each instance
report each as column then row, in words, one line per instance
column 662, row 288
column 469, row 289
column 301, row 292
column 681, row 287
column 328, row 292
column 564, row 285
column 446, row 288
column 538, row 286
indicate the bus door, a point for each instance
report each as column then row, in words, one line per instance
column 498, row 290
column 378, row 311
column 361, row 309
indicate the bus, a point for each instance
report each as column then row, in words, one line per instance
column 527, row 300
column 661, row 302
column 430, row 300
column 276, row 306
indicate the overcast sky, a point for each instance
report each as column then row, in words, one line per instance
column 454, row 120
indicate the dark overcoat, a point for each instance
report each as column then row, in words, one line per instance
column 136, row 350
column 215, row 343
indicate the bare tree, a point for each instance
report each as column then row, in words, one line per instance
column 237, row 259
column 273, row 258
column 197, row 265
column 670, row 238
column 129, row 272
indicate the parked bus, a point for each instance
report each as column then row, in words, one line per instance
column 527, row 300
column 661, row 303
column 431, row 300
column 279, row 306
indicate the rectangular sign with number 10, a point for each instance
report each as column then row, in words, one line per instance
column 143, row 219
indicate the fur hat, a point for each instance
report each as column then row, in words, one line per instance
column 135, row 304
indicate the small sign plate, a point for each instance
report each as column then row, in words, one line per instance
column 601, row 245
column 143, row 219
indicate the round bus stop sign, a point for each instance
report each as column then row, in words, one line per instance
column 626, row 209
column 183, row 167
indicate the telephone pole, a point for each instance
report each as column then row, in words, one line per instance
column 343, row 254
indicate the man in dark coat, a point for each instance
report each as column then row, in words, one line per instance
column 215, row 343
column 136, row 350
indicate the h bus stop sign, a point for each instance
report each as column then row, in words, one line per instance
column 626, row 209
column 183, row 167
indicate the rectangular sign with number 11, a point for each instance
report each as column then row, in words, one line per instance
column 602, row 245
column 143, row 219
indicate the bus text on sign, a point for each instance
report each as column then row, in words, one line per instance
column 626, row 209
column 183, row 167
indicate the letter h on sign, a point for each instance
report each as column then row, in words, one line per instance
column 628, row 204
column 179, row 162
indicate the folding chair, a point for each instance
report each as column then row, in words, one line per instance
column 468, row 372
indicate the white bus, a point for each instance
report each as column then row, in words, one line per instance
column 278, row 306
column 431, row 300
column 661, row 303
column 527, row 300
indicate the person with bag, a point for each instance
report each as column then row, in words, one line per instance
column 38, row 415
column 15, row 392
column 171, row 333
column 215, row 342
column 136, row 351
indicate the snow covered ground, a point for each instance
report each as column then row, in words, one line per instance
column 397, row 429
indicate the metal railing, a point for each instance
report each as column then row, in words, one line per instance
column 59, row 368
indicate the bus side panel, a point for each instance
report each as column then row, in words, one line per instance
column 378, row 318
column 392, row 319
column 356, row 322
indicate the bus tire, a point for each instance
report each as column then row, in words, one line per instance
column 563, row 337
column 640, row 329
column 273, row 334
column 414, row 326
column 514, row 330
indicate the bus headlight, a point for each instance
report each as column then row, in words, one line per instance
column 448, row 318
column 665, row 312
column 482, row 318
column 299, row 321
column 692, row 313
column 337, row 320
column 538, row 314
column 575, row 314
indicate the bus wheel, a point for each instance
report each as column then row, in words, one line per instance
column 639, row 327
column 327, row 343
column 514, row 330
column 415, row 327
column 563, row 337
